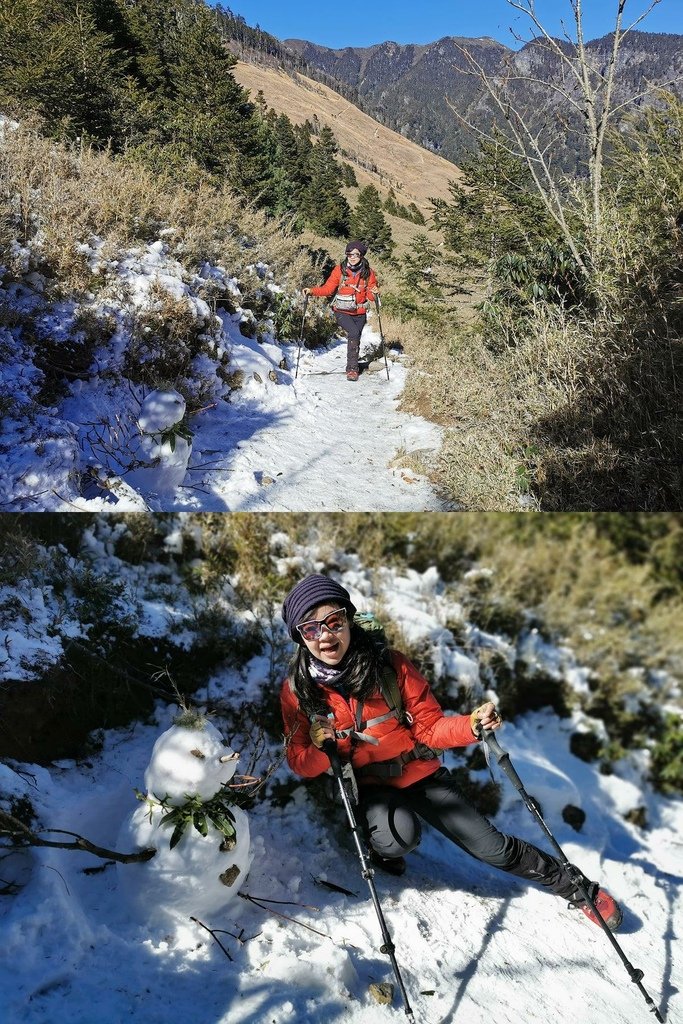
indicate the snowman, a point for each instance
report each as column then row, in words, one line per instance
column 161, row 451
column 201, row 839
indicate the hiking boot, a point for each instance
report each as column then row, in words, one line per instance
column 352, row 374
column 392, row 865
column 607, row 907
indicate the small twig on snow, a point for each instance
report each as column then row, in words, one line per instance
column 213, row 935
column 251, row 899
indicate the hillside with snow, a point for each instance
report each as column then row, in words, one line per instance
column 262, row 436
column 472, row 944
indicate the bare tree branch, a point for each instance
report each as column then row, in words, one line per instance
column 530, row 12
column 552, row 86
column 22, row 835
column 530, row 148
column 641, row 18
column 652, row 88
column 593, row 102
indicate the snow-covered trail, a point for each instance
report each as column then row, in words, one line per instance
column 262, row 440
column 314, row 443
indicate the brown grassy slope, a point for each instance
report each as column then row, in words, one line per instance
column 414, row 173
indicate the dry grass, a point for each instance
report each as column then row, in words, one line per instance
column 60, row 199
column 414, row 173
column 561, row 420
column 611, row 610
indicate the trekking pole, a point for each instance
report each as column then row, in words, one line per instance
column 503, row 759
column 301, row 336
column 330, row 748
column 381, row 334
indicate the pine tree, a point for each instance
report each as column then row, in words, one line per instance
column 494, row 209
column 149, row 32
column 428, row 272
column 212, row 116
column 292, row 173
column 349, row 178
column 390, row 204
column 54, row 59
column 326, row 208
column 369, row 223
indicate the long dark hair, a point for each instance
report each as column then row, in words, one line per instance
column 363, row 669
column 363, row 267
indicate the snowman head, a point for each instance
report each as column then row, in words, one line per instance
column 189, row 760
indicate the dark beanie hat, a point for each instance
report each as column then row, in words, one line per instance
column 355, row 244
column 308, row 593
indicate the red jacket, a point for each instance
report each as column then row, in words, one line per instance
column 429, row 726
column 354, row 284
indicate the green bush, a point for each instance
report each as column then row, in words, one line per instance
column 667, row 757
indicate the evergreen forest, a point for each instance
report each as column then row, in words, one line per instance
column 152, row 83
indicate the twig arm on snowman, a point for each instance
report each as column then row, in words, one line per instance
column 20, row 834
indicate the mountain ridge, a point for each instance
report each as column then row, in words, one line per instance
column 380, row 155
column 409, row 87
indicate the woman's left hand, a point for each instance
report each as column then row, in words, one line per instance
column 487, row 717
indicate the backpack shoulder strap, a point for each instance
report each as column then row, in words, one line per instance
column 391, row 692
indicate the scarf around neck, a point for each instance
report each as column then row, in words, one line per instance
column 328, row 674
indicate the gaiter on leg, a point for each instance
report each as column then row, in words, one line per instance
column 537, row 866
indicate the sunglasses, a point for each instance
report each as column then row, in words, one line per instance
column 313, row 629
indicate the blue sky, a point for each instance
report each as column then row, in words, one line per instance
column 408, row 21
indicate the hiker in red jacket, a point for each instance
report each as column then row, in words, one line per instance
column 336, row 690
column 354, row 286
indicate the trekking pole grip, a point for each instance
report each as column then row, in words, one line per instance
column 489, row 738
column 329, row 747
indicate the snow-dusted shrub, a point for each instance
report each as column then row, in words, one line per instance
column 667, row 757
column 167, row 334
column 69, row 354
column 284, row 317
column 58, row 197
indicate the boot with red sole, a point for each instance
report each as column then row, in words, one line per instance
column 606, row 905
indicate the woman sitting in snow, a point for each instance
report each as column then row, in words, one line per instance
column 334, row 692
column 354, row 286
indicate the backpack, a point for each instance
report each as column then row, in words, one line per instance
column 391, row 691
column 346, row 303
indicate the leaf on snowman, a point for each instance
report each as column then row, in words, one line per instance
column 177, row 834
column 200, row 823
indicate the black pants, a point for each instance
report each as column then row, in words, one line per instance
column 393, row 829
column 352, row 326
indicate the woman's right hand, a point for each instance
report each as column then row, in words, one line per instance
column 306, row 292
column 322, row 729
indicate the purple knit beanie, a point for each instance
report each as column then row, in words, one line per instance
column 355, row 244
column 308, row 593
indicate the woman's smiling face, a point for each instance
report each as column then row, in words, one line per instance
column 330, row 647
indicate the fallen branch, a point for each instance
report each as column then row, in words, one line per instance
column 24, row 836
column 333, row 886
column 213, row 932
